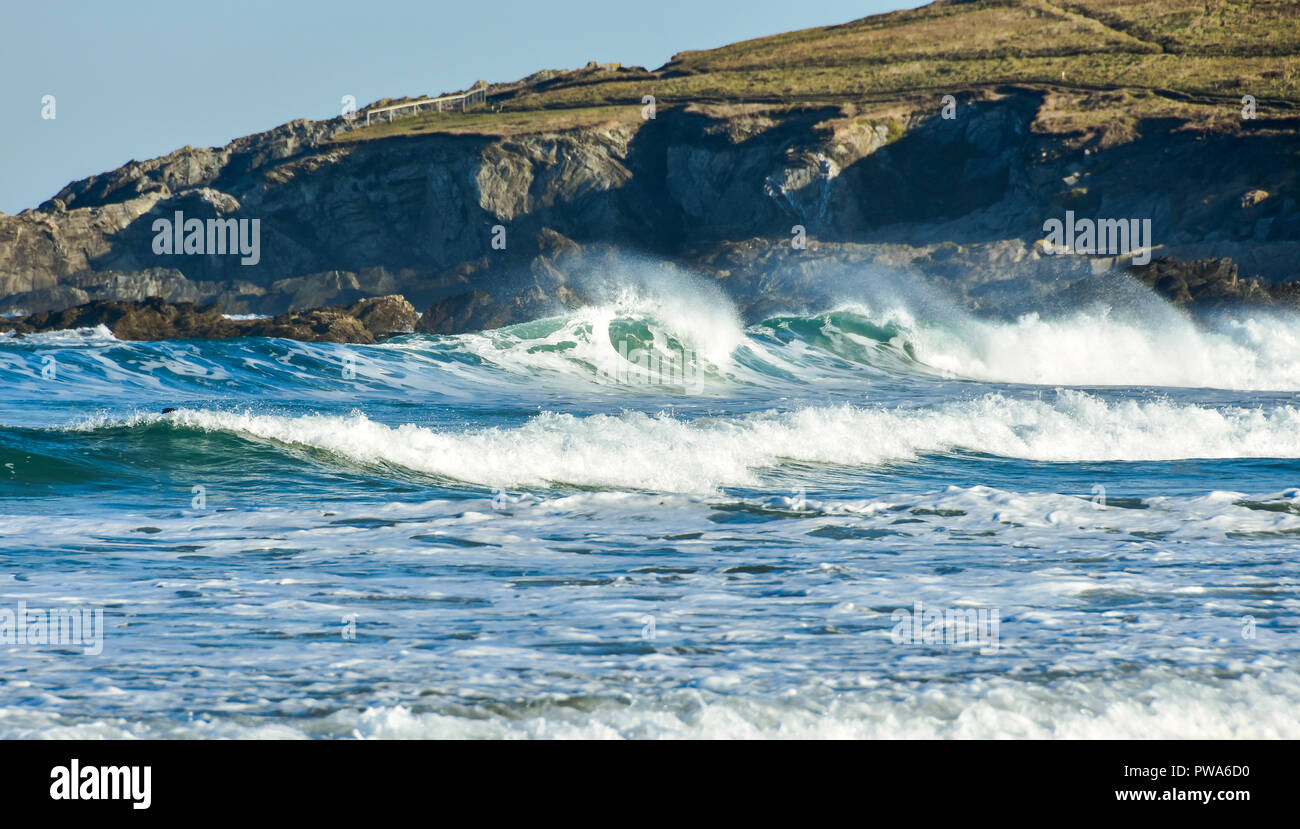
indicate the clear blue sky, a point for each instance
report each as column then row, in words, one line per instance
column 138, row 78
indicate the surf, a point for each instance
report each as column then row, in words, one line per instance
column 673, row 453
column 674, row 336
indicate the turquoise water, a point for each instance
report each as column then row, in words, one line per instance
column 647, row 519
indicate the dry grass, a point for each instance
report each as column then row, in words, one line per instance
column 1210, row 52
column 511, row 122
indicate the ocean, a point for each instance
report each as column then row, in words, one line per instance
column 645, row 518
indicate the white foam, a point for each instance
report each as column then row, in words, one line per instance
column 1100, row 348
column 664, row 453
column 97, row 335
column 1096, row 346
column 1150, row 705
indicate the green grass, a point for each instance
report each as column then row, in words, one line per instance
column 1202, row 55
column 484, row 122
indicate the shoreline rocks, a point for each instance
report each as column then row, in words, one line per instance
column 1204, row 282
column 1194, row 283
column 368, row 321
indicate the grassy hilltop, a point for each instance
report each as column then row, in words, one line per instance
column 1107, row 62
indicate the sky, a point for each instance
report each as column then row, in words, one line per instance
column 136, row 79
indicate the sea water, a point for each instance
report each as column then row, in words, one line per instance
column 494, row 535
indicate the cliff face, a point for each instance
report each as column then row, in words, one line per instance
column 715, row 188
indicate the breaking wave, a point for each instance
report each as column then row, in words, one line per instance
column 683, row 336
column 662, row 452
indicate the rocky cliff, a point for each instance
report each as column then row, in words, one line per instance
column 492, row 217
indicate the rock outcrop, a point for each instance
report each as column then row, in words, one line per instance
column 368, row 321
column 1209, row 282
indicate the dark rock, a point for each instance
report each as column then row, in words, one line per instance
column 385, row 316
column 152, row 319
column 1205, row 282
column 470, row 311
column 367, row 321
column 325, row 325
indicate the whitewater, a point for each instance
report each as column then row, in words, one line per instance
column 551, row 530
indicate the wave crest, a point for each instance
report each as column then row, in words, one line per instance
column 663, row 453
